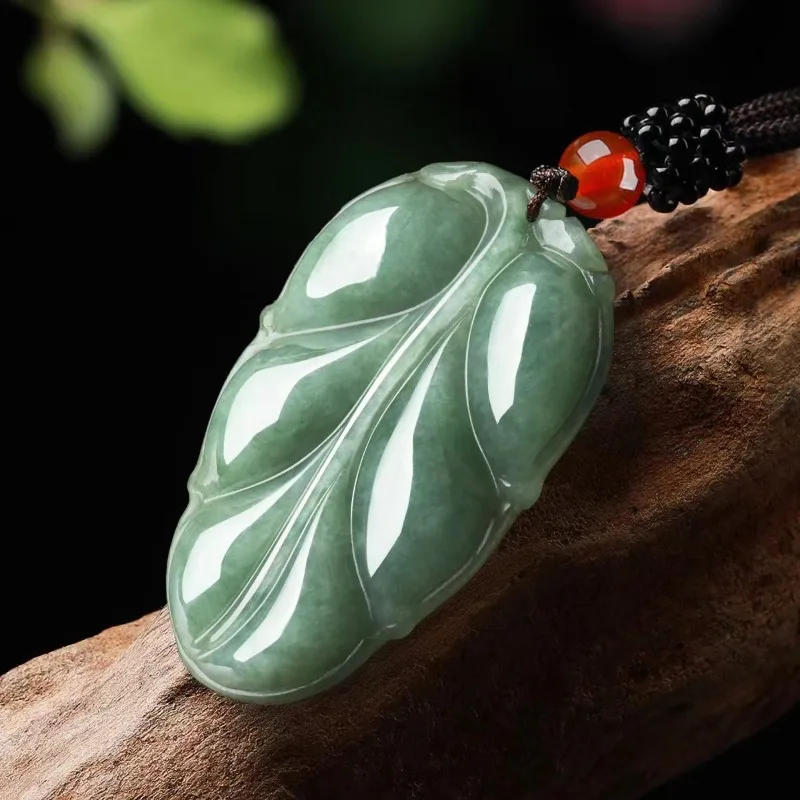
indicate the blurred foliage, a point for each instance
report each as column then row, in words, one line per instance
column 211, row 68
column 64, row 79
column 400, row 35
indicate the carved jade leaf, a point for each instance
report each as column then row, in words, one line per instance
column 429, row 359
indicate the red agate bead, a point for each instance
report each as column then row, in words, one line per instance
column 609, row 171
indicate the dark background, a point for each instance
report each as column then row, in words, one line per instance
column 132, row 280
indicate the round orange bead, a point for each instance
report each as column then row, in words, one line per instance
column 609, row 171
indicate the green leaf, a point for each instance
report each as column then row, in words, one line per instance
column 196, row 67
column 428, row 361
column 64, row 79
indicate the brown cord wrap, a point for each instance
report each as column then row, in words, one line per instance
column 554, row 182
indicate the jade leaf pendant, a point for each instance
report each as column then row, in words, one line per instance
column 430, row 358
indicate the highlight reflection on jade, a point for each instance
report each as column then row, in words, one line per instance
column 429, row 359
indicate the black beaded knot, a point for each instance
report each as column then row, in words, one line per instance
column 687, row 148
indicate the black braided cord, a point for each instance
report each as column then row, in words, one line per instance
column 770, row 124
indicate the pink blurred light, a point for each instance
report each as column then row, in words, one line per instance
column 656, row 18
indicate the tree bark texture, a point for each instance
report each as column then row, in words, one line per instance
column 642, row 617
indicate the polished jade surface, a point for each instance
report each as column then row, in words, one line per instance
column 430, row 358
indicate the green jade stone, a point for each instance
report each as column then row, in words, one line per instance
column 430, row 358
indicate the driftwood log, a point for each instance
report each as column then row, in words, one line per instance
column 642, row 617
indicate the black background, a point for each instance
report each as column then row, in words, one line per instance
column 132, row 280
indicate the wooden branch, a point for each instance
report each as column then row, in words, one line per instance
column 642, row 617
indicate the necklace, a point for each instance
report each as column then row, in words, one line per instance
column 435, row 350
